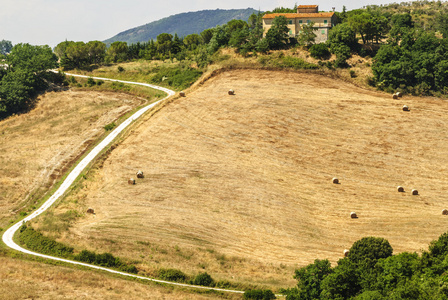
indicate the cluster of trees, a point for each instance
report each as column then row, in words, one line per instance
column 414, row 60
column 371, row 272
column 23, row 74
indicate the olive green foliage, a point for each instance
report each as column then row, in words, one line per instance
column 24, row 76
column 307, row 36
column 203, row 279
column 277, row 36
column 418, row 64
column 371, row 272
column 79, row 55
column 320, row 51
column 259, row 295
column 5, row 47
column 36, row 241
column 172, row 275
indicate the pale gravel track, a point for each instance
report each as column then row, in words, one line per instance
column 9, row 234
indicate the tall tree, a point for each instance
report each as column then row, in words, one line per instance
column 277, row 35
column 307, row 35
column 5, row 47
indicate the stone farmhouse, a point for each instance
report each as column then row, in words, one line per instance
column 306, row 14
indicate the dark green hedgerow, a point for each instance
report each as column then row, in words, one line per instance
column 36, row 241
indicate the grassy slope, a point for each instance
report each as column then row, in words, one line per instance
column 243, row 193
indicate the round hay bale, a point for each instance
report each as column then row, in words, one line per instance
column 353, row 215
column 131, row 181
column 231, row 92
column 414, row 192
column 140, row 174
column 395, row 96
column 400, row 94
column 346, row 252
column 90, row 211
column 335, row 180
column 182, row 94
column 400, row 189
column 444, row 212
column 406, row 108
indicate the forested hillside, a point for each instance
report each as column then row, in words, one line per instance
column 183, row 24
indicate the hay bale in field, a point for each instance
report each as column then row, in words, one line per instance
column 400, row 189
column 140, row 174
column 131, row 181
column 231, row 92
column 400, row 94
column 353, row 215
column 90, row 211
column 395, row 96
column 335, row 180
column 182, row 94
column 444, row 212
column 414, row 192
column 346, row 252
column 406, row 108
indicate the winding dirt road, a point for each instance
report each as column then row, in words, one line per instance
column 9, row 234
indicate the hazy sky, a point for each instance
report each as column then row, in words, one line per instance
column 50, row 22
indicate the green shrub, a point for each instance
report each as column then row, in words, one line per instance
column 110, row 126
column 352, row 74
column 120, row 69
column 36, row 241
column 259, row 295
column 203, row 279
column 91, row 81
column 319, row 51
column 172, row 275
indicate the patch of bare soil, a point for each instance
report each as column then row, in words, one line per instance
column 249, row 176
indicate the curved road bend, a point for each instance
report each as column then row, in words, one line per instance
column 8, row 235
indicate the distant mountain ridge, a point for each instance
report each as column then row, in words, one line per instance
column 183, row 24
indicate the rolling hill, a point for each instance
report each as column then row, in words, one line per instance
column 240, row 186
column 183, row 24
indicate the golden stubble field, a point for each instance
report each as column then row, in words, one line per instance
column 38, row 147
column 240, row 186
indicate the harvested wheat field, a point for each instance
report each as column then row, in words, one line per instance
column 38, row 147
column 249, row 176
column 32, row 280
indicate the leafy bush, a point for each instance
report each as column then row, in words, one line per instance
column 110, row 126
column 105, row 260
column 172, row 275
column 36, row 241
column 203, row 279
column 259, row 295
column 91, row 81
column 319, row 51
column 120, row 69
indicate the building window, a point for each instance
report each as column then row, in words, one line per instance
column 290, row 32
column 290, row 22
column 308, row 21
column 300, row 21
column 325, row 22
column 323, row 31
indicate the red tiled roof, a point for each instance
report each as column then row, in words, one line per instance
column 307, row 6
column 302, row 15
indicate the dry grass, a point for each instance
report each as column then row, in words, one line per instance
column 37, row 148
column 32, row 280
column 240, row 186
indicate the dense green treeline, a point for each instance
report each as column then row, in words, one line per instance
column 407, row 43
column 23, row 74
column 370, row 271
